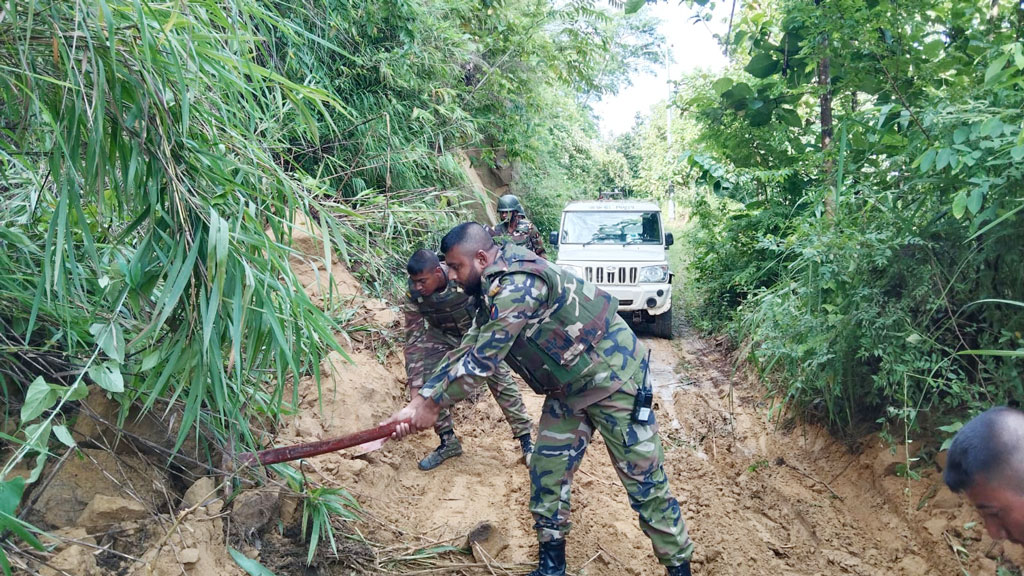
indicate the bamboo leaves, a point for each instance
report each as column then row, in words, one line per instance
column 10, row 496
column 251, row 567
column 164, row 113
column 216, row 264
column 154, row 156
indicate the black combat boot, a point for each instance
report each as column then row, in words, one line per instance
column 552, row 559
column 526, row 444
column 681, row 570
column 449, row 448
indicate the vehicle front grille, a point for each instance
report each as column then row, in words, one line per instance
column 611, row 274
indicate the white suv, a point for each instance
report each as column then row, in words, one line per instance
column 620, row 245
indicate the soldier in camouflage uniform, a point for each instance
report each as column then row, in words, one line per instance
column 437, row 315
column 515, row 228
column 563, row 336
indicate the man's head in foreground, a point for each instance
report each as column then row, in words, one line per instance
column 468, row 249
column 986, row 463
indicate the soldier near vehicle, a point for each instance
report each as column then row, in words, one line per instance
column 514, row 227
column 437, row 315
column 563, row 336
column 986, row 464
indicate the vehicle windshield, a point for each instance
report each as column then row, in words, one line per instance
column 611, row 228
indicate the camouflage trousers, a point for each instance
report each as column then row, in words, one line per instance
column 635, row 451
column 505, row 391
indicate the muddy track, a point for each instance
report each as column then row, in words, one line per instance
column 758, row 499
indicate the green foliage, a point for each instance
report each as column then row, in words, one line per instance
column 318, row 509
column 951, row 430
column 417, row 80
column 396, row 72
column 155, row 157
column 878, row 277
column 251, row 567
column 576, row 166
column 758, row 465
column 564, row 158
column 10, row 496
column 320, row 506
column 139, row 180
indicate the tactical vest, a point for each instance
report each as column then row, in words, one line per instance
column 554, row 349
column 520, row 236
column 450, row 311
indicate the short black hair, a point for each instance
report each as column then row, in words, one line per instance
column 471, row 234
column 422, row 261
column 989, row 445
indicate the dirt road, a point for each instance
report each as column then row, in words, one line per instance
column 759, row 499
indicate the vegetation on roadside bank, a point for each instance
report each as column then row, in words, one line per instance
column 855, row 204
column 153, row 157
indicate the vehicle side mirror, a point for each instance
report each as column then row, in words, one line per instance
column 669, row 239
column 553, row 238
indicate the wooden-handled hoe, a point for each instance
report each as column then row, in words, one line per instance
column 366, row 440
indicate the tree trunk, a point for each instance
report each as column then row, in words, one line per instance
column 1020, row 20
column 825, row 104
column 993, row 18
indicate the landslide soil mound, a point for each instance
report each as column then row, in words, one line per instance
column 758, row 498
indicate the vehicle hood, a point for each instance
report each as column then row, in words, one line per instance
column 611, row 253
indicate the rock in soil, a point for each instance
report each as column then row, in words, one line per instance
column 200, row 491
column 72, row 558
column 486, row 541
column 75, row 560
column 196, row 547
column 81, row 479
column 106, row 511
column 253, row 509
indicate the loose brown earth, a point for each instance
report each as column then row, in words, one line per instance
column 758, row 497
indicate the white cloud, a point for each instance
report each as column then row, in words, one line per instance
column 692, row 45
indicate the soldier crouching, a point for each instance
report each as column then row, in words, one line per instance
column 437, row 314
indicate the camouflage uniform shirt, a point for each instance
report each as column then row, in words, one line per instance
column 429, row 337
column 419, row 348
column 516, row 304
column 525, row 234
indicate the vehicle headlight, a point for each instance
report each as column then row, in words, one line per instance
column 653, row 274
column 574, row 270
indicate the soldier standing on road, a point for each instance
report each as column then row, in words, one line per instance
column 563, row 336
column 437, row 315
column 514, row 227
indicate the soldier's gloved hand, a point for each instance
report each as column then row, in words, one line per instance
column 420, row 414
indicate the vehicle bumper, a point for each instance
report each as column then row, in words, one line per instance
column 654, row 299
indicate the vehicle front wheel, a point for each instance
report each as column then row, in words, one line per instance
column 662, row 327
